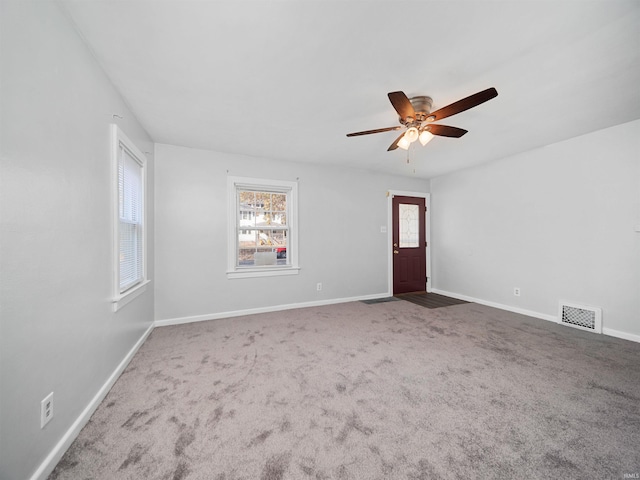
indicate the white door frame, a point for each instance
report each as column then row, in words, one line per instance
column 427, row 202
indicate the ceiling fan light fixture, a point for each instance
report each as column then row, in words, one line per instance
column 411, row 135
column 403, row 143
column 425, row 137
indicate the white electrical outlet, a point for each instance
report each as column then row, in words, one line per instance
column 319, row 286
column 516, row 291
column 46, row 410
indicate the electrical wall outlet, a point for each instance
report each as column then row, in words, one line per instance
column 319, row 286
column 516, row 291
column 46, row 410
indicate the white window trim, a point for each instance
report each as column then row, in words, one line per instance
column 120, row 299
column 233, row 183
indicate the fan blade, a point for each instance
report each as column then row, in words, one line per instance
column 402, row 105
column 394, row 145
column 464, row 104
column 367, row 132
column 446, row 131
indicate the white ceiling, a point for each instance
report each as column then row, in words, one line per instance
column 288, row 79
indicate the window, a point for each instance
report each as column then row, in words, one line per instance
column 262, row 228
column 129, row 231
column 409, row 225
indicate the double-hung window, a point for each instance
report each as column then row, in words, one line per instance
column 262, row 227
column 129, row 231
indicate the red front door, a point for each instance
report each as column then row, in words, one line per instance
column 409, row 245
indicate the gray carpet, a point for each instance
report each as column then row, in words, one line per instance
column 354, row 391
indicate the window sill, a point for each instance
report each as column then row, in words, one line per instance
column 262, row 272
column 124, row 298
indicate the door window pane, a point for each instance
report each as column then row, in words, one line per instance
column 409, row 225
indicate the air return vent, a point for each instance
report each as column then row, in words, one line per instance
column 581, row 316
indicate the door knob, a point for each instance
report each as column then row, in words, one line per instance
column 396, row 251
column 395, row 245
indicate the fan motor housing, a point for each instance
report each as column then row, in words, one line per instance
column 422, row 106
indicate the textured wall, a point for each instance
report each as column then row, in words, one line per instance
column 58, row 330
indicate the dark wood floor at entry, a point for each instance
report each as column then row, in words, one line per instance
column 429, row 300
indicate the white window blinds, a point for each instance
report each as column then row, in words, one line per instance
column 130, row 213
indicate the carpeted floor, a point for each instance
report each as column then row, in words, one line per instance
column 353, row 391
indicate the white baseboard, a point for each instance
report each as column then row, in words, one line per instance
column 522, row 311
column 624, row 335
column 274, row 308
column 49, row 463
column 552, row 318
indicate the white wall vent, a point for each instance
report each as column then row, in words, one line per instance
column 581, row 316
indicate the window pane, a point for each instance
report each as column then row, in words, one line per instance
column 247, row 239
column 279, row 202
column 262, row 241
column 263, row 201
column 247, row 218
column 265, row 256
column 130, row 255
column 263, row 218
column 130, row 187
column 409, row 225
column 279, row 219
column 262, row 229
column 245, row 256
column 246, row 198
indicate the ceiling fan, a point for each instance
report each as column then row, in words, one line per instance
column 416, row 115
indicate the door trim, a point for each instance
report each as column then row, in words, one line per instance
column 427, row 202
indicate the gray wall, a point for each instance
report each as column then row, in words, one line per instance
column 559, row 222
column 58, row 331
column 340, row 214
